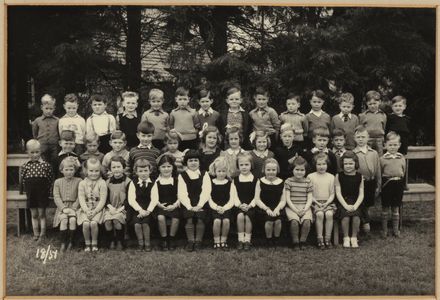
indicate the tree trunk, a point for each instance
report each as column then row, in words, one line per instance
column 133, row 51
column 220, row 23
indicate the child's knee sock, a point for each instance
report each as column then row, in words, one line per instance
column 189, row 229
column 71, row 235
column 225, row 231
column 385, row 221
column 294, row 231
column 146, row 233
column 305, row 231
column 120, row 235
column 200, row 230
column 63, row 236
column 395, row 221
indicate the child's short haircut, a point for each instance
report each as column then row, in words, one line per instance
column 372, row 95
column 286, row 127
column 234, row 130
column 211, row 129
column 271, row 161
column 91, row 138
column 47, row 99
column 338, row 132
column 347, row 98
column 300, row 161
column 204, row 93
column 141, row 163
column 92, row 161
column 172, row 136
column 118, row 135
column 118, row 159
column 232, row 90
column 321, row 131
column 320, row 155
column 318, row 94
column 261, row 91
column 398, row 99
column 68, row 162
column 191, row 153
column 31, row 144
column 350, row 155
column 145, row 127
column 71, row 98
column 247, row 156
column 181, row 91
column 219, row 162
column 261, row 134
column 360, row 129
column 167, row 159
column 293, row 96
column 130, row 95
column 98, row 98
column 67, row 135
column 392, row 135
column 156, row 94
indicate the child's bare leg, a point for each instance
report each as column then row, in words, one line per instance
column 268, row 228
column 189, row 229
column 356, row 221
column 319, row 223
column 108, row 225
column 94, row 230
column 63, row 223
column 305, row 229
column 117, row 225
column 240, row 227
column 86, row 233
column 35, row 222
column 385, row 212
column 161, row 222
column 277, row 228
column 174, row 226
column 139, row 234
column 396, row 218
column 200, row 230
column 328, row 225
column 146, row 233
column 247, row 229
column 72, row 223
column 294, row 231
column 216, row 228
column 42, row 217
column 345, row 223
column 225, row 230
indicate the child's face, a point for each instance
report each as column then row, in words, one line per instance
column 261, row 101
column 117, row 144
column 182, row 101
column 316, row 103
column 71, row 108
column 244, row 165
column 398, row 107
column 205, row 103
column 145, row 138
column 94, row 172
column 345, row 107
column 166, row 169
column 211, row 140
column 48, row 109
column 143, row 172
column 172, row 145
column 92, row 147
column 193, row 164
column 287, row 138
column 320, row 142
column 299, row 171
column 67, row 146
column 361, row 138
column 349, row 165
column 270, row 170
column 339, row 142
column 292, row 105
column 234, row 100
column 156, row 103
column 373, row 105
column 117, row 169
column 220, row 173
column 392, row 145
column 321, row 165
column 34, row 153
column 130, row 104
column 261, row 143
column 234, row 141
column 68, row 171
column 98, row 107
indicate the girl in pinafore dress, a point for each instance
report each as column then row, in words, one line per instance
column 92, row 195
column 209, row 147
column 36, row 181
column 270, row 199
column 115, row 213
column 323, row 196
column 164, row 192
column 245, row 189
column 141, row 206
column 193, row 194
column 298, row 193
column 221, row 202
column 349, row 186
column 65, row 196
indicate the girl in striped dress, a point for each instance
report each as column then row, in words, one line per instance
column 298, row 193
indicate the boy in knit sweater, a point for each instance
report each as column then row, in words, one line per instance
column 316, row 117
column 345, row 120
column 157, row 116
column 73, row 121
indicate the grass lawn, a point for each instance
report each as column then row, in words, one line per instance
column 402, row 266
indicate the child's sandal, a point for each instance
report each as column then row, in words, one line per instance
column 217, row 246
column 321, row 245
column 225, row 246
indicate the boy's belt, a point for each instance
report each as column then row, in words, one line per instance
column 388, row 179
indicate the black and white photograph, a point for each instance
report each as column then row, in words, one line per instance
column 220, row 150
